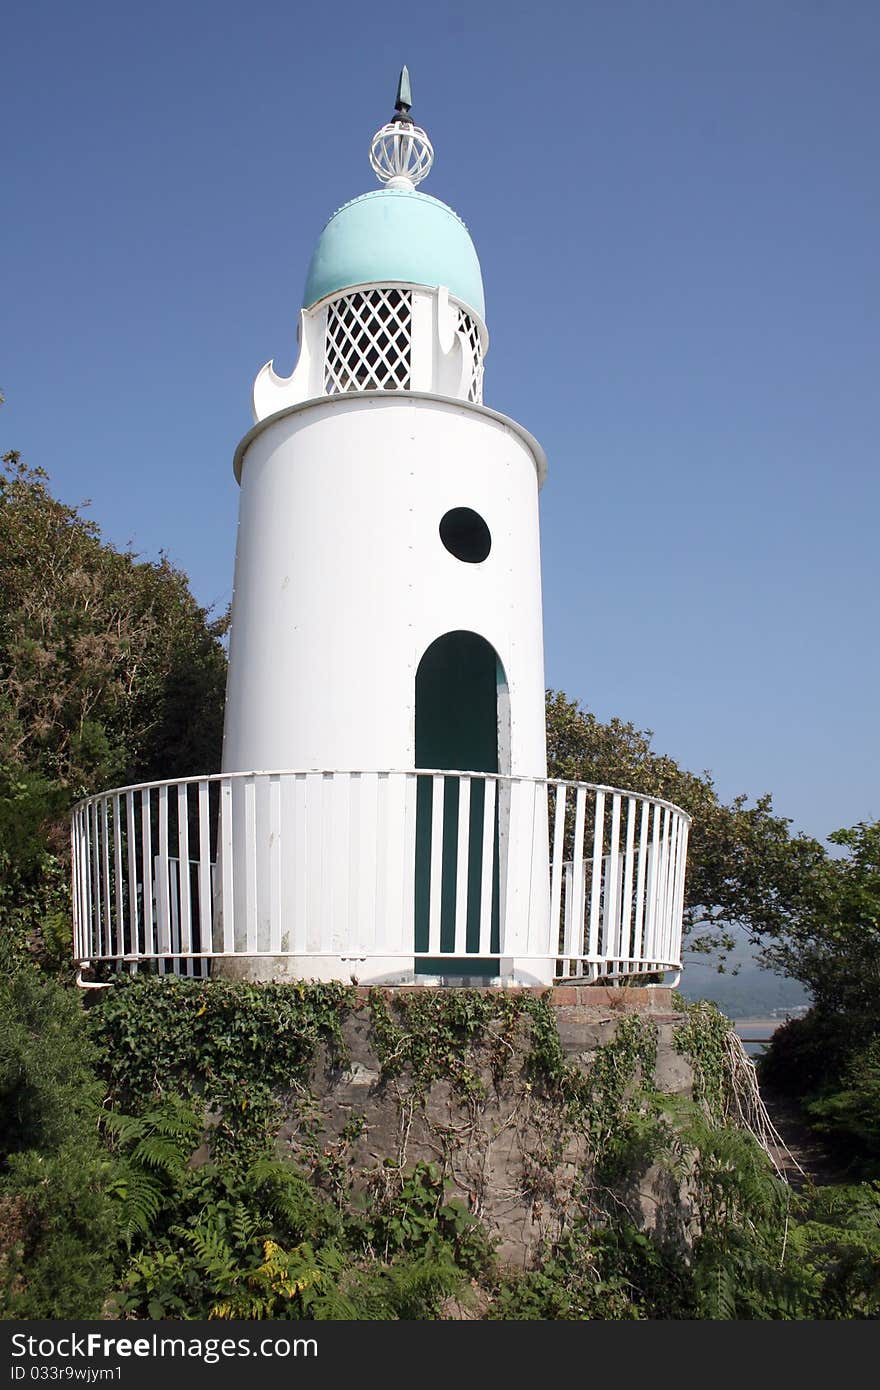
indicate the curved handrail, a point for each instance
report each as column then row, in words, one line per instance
column 381, row 772
column 389, row 865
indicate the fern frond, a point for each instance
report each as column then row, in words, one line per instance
column 141, row 1197
column 211, row 1249
column 162, row 1153
column 124, row 1128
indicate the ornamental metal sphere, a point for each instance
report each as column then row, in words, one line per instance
column 401, row 155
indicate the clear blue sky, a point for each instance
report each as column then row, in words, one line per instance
column 677, row 209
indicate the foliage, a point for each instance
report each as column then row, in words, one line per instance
column 109, row 672
column 745, row 868
column 833, row 946
column 394, row 1217
column 158, row 1144
column 432, row 1034
column 250, row 1237
column 231, row 1043
column 837, row 1244
column 196, row 1229
column 34, row 886
column 700, row 1037
column 739, row 1269
column 223, row 1264
column 835, row 1075
column 831, row 1058
column 239, row 1233
column 765, row 1251
column 58, row 1227
column 192, row 1217
column 579, row 1279
column 849, row 1113
column 757, row 1250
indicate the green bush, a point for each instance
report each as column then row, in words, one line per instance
column 58, row 1224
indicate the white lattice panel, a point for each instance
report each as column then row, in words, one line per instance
column 473, row 348
column 368, row 342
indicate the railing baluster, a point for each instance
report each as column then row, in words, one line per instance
column 96, row 882
column 276, row 852
column 651, row 943
column 301, row 886
column 131, row 844
column 612, row 904
column 626, row 947
column 461, row 865
column 78, row 952
column 119, row 912
column 250, row 865
column 557, row 871
column 678, row 906
column 641, row 879
column 365, row 881
column 88, row 873
column 105, row 883
column 163, row 915
column 408, row 888
column 436, row 895
column 174, row 904
column 671, row 856
column 664, row 877
column 147, row 874
column 227, row 881
column 313, row 827
column 336, row 858
column 488, row 866
column 88, row 941
column 86, row 823
column 576, row 923
column 596, row 878
column 384, row 920
column 539, row 877
column 352, row 938
column 206, row 887
column 184, row 905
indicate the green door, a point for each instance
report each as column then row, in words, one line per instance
column 456, row 727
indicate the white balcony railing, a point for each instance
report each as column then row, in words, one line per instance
column 381, row 876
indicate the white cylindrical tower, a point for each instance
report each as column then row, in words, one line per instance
column 387, row 602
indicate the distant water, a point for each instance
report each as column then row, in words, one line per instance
column 755, row 1032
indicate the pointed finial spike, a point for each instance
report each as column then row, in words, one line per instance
column 401, row 154
column 403, row 101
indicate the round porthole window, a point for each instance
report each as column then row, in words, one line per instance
column 466, row 535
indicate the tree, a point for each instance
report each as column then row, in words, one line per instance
column 833, row 947
column 831, row 1058
column 745, row 868
column 109, row 669
column 110, row 672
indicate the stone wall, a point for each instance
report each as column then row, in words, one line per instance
column 509, row 1143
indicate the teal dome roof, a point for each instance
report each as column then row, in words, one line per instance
column 396, row 234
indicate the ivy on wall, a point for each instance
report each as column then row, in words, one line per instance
column 203, row 1215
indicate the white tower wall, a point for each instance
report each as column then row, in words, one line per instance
column 342, row 581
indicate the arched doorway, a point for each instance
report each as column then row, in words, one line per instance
column 462, row 723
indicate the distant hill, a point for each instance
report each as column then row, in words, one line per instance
column 751, row 992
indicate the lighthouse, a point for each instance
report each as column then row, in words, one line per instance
column 383, row 814
column 387, row 597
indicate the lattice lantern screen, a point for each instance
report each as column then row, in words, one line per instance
column 369, row 334
column 470, row 338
